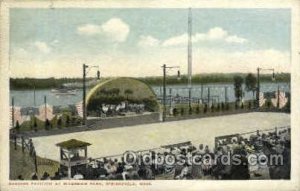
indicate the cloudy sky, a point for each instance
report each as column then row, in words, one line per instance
column 136, row 42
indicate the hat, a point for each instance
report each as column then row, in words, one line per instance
column 128, row 167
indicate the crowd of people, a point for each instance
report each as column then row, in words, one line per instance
column 211, row 165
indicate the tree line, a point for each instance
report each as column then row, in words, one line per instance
column 31, row 83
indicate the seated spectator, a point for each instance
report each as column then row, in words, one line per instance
column 20, row 177
column 45, row 176
column 56, row 176
column 34, row 177
column 78, row 176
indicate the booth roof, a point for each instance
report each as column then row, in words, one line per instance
column 72, row 144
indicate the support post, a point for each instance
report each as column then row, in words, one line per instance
column 226, row 94
column 278, row 101
column 257, row 89
column 15, row 141
column 208, row 96
column 23, row 144
column 69, row 166
column 164, row 92
column 84, row 94
column 190, row 56
column 45, row 102
column 13, row 111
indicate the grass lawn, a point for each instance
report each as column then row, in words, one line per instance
column 22, row 164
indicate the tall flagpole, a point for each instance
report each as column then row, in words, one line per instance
column 190, row 55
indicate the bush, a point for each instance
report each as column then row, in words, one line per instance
column 190, row 111
column 212, row 108
column 68, row 121
column 205, row 108
column 227, row 106
column 175, row 112
column 249, row 105
column 222, row 106
column 59, row 123
column 47, row 124
column 269, row 104
column 35, row 125
column 197, row 110
column 182, row 111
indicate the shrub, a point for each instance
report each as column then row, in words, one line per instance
column 249, row 105
column 190, row 111
column 175, row 112
column 35, row 126
column 182, row 111
column 218, row 107
column 47, row 124
column 68, row 121
column 205, row 108
column 197, row 109
column 227, row 106
column 212, row 108
column 59, row 123
column 222, row 106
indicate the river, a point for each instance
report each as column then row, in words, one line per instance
column 26, row 98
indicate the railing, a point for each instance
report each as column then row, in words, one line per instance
column 226, row 137
column 186, row 143
column 26, row 145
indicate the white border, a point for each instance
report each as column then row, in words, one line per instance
column 294, row 5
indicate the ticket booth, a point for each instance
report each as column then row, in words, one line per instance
column 73, row 156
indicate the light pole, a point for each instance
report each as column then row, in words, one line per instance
column 84, row 67
column 258, row 82
column 13, row 111
column 164, row 87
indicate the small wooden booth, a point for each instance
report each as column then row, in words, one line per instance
column 73, row 156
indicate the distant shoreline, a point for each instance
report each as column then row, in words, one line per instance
column 197, row 79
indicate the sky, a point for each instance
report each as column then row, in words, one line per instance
column 137, row 42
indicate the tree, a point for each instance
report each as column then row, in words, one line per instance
column 250, row 83
column 238, row 91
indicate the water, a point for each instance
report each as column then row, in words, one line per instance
column 25, row 98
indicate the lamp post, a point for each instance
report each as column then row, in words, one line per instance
column 258, row 82
column 84, row 69
column 13, row 111
column 164, row 87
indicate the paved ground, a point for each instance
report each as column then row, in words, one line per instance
column 117, row 140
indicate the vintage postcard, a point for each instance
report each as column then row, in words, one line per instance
column 150, row 95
